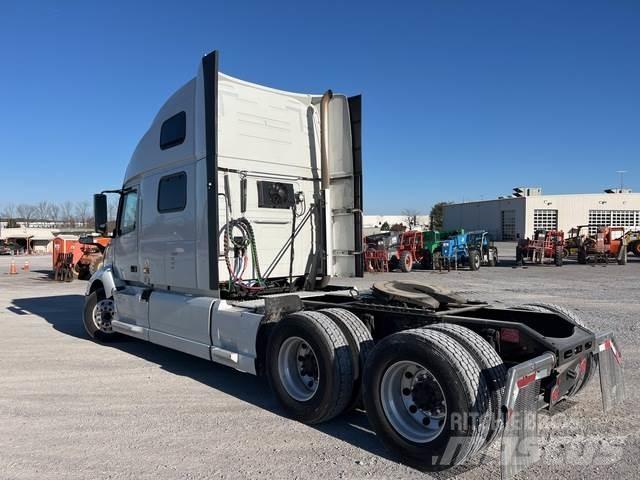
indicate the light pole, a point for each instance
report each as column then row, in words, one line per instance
column 621, row 173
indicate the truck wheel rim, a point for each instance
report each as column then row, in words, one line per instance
column 103, row 313
column 413, row 401
column 298, row 369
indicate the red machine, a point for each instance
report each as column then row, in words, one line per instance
column 546, row 244
column 389, row 251
column 80, row 256
column 410, row 250
column 92, row 255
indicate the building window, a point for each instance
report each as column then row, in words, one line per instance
column 173, row 131
column 172, row 193
column 508, row 224
column 545, row 219
column 614, row 218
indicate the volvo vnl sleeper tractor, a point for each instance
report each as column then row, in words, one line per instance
column 239, row 205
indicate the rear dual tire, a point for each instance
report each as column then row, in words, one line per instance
column 315, row 363
column 415, row 378
column 491, row 366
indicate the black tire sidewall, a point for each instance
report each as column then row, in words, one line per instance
column 94, row 332
column 387, row 354
column 406, row 261
column 89, row 304
column 474, row 260
column 314, row 409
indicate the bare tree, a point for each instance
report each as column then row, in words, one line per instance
column 82, row 212
column 54, row 212
column 411, row 216
column 112, row 208
column 9, row 211
column 26, row 211
column 67, row 213
column 42, row 211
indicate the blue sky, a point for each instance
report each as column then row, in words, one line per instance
column 462, row 99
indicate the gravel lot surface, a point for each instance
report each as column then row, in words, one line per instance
column 74, row 409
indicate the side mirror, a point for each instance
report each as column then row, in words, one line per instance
column 100, row 212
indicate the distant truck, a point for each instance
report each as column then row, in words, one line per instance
column 239, row 205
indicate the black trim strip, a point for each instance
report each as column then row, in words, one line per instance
column 285, row 178
column 210, row 79
column 355, row 115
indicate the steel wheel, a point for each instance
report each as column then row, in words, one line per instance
column 103, row 313
column 298, row 369
column 413, row 401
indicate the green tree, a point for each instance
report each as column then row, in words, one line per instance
column 384, row 227
column 437, row 215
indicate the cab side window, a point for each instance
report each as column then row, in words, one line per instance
column 129, row 212
column 172, row 193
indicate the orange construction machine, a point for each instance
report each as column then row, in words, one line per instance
column 81, row 256
column 606, row 244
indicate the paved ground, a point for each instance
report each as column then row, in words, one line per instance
column 71, row 408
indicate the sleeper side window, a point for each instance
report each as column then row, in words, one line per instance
column 173, row 131
column 129, row 212
column 172, row 193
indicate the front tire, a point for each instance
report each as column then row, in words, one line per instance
column 493, row 257
column 474, row 260
column 558, row 257
column 427, row 260
column 310, row 367
column 406, row 262
column 99, row 311
column 426, row 399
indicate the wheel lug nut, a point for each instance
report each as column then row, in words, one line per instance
column 310, row 384
column 406, row 392
column 426, row 421
column 408, row 375
column 413, row 409
column 301, row 358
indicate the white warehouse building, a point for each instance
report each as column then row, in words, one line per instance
column 510, row 218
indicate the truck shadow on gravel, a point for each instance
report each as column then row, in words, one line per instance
column 63, row 314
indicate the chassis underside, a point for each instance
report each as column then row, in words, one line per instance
column 548, row 355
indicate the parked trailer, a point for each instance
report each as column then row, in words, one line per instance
column 238, row 206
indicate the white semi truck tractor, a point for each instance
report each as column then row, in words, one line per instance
column 239, row 205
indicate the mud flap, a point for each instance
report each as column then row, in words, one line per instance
column 611, row 373
column 519, row 447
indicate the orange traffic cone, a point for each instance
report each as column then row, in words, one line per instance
column 13, row 270
column 25, row 267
